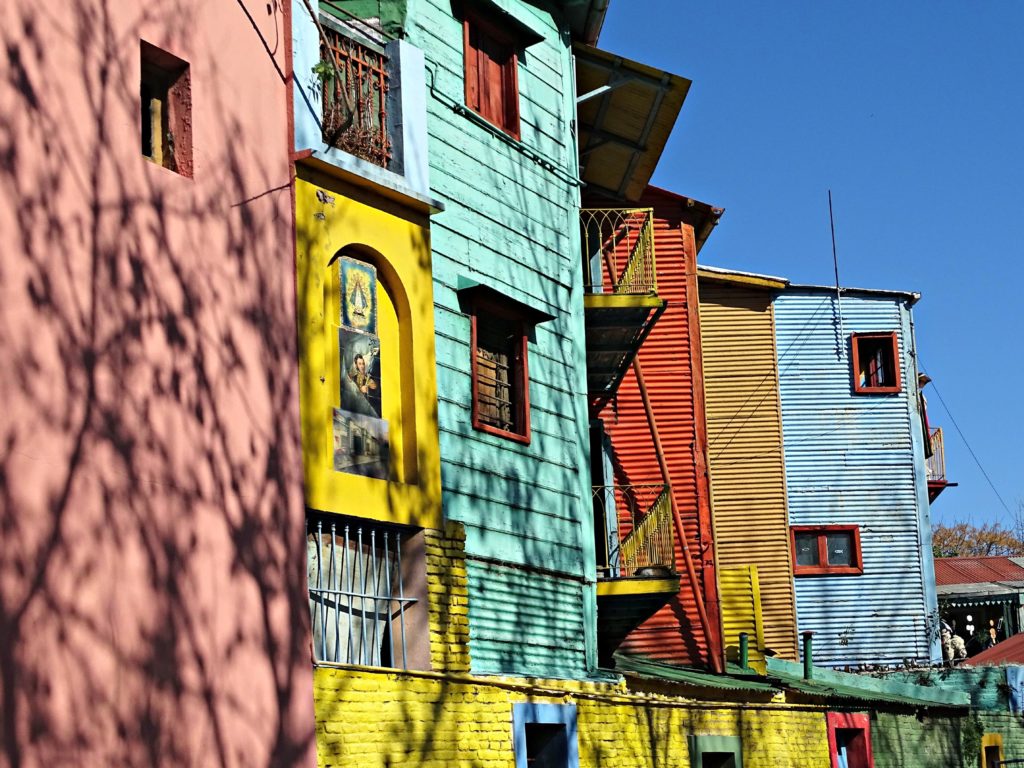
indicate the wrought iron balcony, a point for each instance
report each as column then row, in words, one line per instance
column 937, row 461
column 620, row 292
column 355, row 76
column 634, row 523
column 618, row 248
column 936, row 464
column 636, row 560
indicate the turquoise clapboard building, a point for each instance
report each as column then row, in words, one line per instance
column 511, row 227
column 856, row 478
column 507, row 238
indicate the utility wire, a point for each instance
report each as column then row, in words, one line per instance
column 970, row 449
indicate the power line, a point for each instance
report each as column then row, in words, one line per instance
column 971, row 450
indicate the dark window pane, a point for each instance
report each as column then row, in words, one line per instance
column 807, row 549
column 717, row 760
column 547, row 745
column 840, row 548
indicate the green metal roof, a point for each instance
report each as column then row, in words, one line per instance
column 830, row 684
column 639, row 667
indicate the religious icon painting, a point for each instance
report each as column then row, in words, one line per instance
column 361, row 445
column 358, row 295
column 359, row 356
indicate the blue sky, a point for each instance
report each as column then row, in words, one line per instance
column 911, row 112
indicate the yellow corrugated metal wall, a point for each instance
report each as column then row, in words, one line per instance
column 744, row 426
column 741, row 612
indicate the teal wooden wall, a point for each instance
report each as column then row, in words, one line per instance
column 511, row 222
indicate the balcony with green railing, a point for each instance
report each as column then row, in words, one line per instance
column 620, row 292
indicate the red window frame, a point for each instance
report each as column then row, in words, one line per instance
column 823, row 568
column 492, row 82
column 520, row 379
column 894, row 352
column 852, row 721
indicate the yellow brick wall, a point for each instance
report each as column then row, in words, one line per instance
column 370, row 718
column 448, row 596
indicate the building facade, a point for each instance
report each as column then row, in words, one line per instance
column 152, row 486
column 856, row 480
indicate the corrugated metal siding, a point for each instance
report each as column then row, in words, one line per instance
column 524, row 623
column 674, row 633
column 850, row 459
column 742, row 612
column 748, row 483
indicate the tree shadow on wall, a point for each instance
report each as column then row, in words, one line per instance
column 152, row 602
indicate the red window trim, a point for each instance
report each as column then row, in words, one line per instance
column 852, row 721
column 824, row 569
column 510, row 94
column 855, row 339
column 522, row 370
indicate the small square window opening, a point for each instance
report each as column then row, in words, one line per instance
column 165, row 114
column 491, row 73
column 547, row 745
column 499, row 375
column 875, row 358
column 826, row 550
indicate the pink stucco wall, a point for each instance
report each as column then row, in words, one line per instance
column 152, row 598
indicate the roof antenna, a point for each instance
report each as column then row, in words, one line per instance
column 835, row 263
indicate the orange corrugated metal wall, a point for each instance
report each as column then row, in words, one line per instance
column 744, row 428
column 670, row 358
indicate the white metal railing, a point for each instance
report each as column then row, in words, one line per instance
column 357, row 600
column 936, row 463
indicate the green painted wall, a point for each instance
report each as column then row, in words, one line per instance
column 906, row 741
column 511, row 222
column 391, row 13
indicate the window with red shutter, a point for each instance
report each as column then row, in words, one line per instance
column 499, row 372
column 491, row 71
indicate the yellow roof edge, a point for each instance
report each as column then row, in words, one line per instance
column 759, row 281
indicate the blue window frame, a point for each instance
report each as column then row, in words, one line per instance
column 545, row 735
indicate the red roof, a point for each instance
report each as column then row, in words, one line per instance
column 1009, row 651
column 976, row 570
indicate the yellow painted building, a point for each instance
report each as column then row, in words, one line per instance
column 745, row 459
column 338, row 224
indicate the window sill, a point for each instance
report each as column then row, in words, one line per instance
column 514, row 436
column 827, row 571
column 876, row 390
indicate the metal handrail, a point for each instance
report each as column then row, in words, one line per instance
column 636, row 521
column 618, row 250
column 936, row 463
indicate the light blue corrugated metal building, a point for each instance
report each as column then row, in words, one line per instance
column 857, row 459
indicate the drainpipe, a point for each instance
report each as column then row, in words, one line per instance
column 744, row 649
column 808, row 655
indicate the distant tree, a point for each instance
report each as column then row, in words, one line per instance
column 966, row 540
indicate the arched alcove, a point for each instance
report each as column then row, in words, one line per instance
column 385, row 345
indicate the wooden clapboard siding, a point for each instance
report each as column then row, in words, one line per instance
column 745, row 454
column 513, row 225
